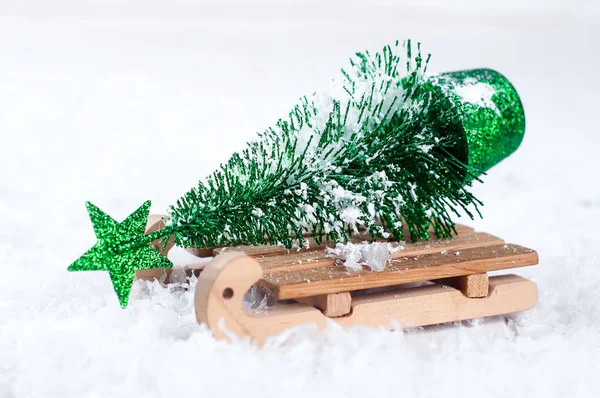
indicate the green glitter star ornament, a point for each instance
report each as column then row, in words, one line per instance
column 384, row 146
column 122, row 249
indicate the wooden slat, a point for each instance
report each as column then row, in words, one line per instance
column 270, row 250
column 317, row 257
column 274, row 250
column 407, row 269
column 309, row 260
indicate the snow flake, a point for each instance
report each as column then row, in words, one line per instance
column 258, row 212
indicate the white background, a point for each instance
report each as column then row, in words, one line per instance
column 117, row 103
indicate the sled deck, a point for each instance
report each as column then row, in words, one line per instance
column 423, row 283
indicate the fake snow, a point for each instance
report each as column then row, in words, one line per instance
column 477, row 93
column 351, row 215
column 374, row 255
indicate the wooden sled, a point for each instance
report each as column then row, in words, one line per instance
column 312, row 287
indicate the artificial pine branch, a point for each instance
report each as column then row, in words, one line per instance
column 374, row 148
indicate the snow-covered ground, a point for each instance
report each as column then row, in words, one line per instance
column 121, row 104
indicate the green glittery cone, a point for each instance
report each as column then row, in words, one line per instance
column 483, row 111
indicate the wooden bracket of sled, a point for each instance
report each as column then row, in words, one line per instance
column 425, row 283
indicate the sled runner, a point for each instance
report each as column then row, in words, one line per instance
column 423, row 283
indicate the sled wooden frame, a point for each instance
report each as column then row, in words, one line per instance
column 312, row 287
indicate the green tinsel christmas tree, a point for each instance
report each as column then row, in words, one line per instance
column 383, row 146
